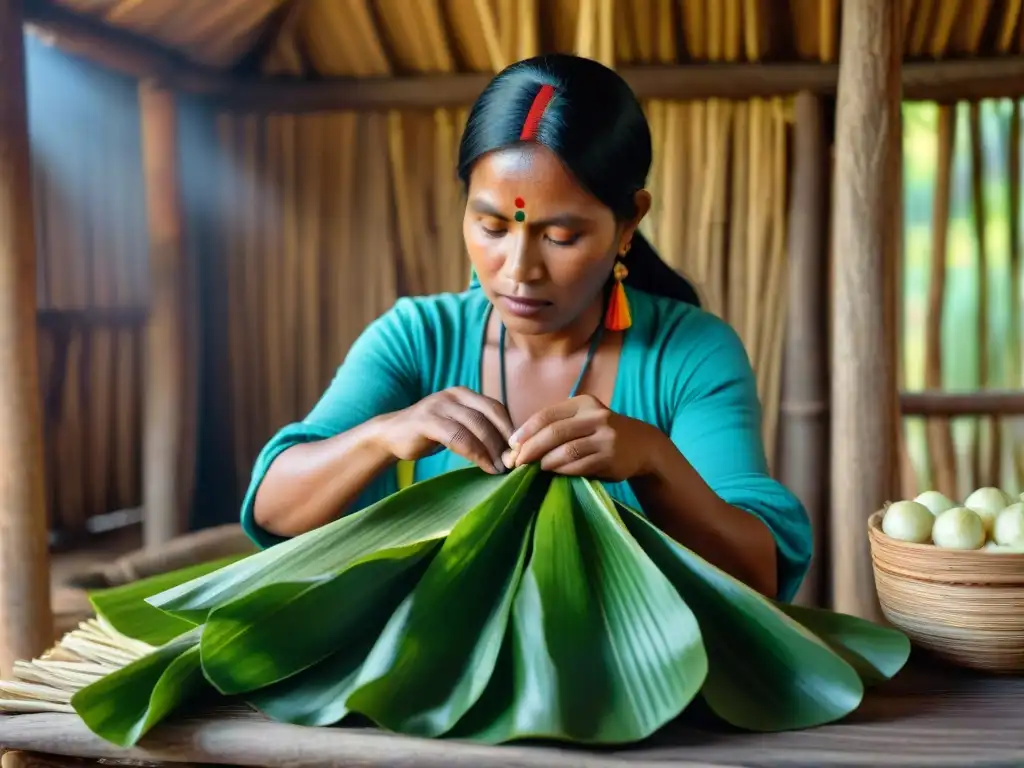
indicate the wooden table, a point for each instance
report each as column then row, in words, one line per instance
column 927, row 716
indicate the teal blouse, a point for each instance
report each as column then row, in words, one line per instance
column 681, row 368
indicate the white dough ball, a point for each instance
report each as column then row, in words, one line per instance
column 987, row 502
column 908, row 521
column 959, row 528
column 936, row 502
column 1009, row 525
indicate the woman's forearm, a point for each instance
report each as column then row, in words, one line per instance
column 677, row 500
column 311, row 484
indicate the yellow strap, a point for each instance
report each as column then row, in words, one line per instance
column 406, row 470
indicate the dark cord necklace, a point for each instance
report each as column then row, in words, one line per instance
column 595, row 341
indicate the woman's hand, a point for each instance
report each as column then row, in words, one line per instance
column 583, row 437
column 472, row 425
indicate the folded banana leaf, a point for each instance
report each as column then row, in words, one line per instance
column 127, row 611
column 485, row 608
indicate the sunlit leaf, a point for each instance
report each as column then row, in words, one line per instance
column 124, row 705
column 281, row 629
column 876, row 652
column 602, row 648
column 766, row 671
column 437, row 653
column 318, row 696
column 126, row 609
column 424, row 511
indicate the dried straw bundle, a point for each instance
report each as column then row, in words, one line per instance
column 82, row 657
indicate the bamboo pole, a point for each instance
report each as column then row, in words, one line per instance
column 163, row 432
column 1013, row 219
column 940, row 438
column 863, row 382
column 803, row 430
column 26, row 621
column 893, row 273
column 986, row 448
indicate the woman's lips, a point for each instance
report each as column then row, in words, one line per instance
column 521, row 307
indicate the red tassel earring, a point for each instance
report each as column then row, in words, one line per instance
column 618, row 317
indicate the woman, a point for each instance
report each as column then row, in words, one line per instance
column 553, row 355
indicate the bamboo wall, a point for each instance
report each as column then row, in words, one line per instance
column 91, row 234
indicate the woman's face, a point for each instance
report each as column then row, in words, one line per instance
column 543, row 272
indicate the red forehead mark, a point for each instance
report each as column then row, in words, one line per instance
column 519, row 202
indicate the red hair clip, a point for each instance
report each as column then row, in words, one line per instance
column 540, row 104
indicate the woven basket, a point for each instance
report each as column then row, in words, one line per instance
column 964, row 606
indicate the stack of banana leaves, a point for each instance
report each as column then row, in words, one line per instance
column 482, row 608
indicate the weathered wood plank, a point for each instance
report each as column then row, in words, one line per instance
column 922, row 81
column 167, row 364
column 863, row 378
column 938, row 403
column 928, row 715
column 25, row 619
column 803, row 442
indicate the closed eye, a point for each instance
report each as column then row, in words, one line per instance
column 563, row 243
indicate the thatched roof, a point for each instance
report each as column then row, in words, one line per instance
column 398, row 37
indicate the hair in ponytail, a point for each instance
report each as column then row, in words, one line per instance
column 597, row 128
column 649, row 273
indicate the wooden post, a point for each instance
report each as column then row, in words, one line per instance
column 803, row 429
column 26, row 620
column 165, row 401
column 866, row 198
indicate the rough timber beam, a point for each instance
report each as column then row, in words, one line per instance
column 922, row 81
column 116, row 49
column 134, row 55
column 865, row 206
column 26, row 621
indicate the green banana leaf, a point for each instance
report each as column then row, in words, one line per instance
column 766, row 671
column 126, row 610
column 279, row 629
column 426, row 510
column 282, row 629
column 488, row 608
column 438, row 651
column 876, row 652
column 318, row 696
column 602, row 648
column 123, row 706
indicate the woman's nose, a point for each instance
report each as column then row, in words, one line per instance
column 523, row 263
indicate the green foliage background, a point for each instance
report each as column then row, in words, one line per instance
column 961, row 311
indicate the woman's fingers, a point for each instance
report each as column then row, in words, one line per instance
column 575, row 406
column 460, row 440
column 481, row 426
column 470, row 434
column 489, row 407
column 553, row 435
column 575, row 457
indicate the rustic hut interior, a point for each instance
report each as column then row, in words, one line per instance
column 202, row 205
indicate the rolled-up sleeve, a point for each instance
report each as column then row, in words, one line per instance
column 717, row 427
column 380, row 374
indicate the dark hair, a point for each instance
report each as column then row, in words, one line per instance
column 596, row 126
